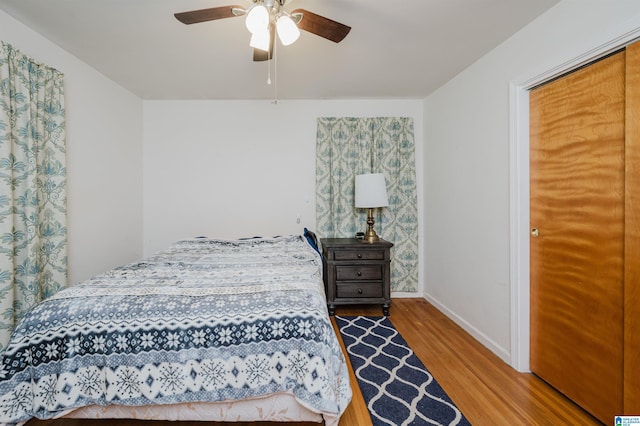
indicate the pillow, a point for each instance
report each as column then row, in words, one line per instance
column 312, row 239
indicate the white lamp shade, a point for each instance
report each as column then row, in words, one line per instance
column 371, row 191
column 257, row 19
column 288, row 31
column 261, row 40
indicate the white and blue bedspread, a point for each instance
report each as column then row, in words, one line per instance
column 203, row 320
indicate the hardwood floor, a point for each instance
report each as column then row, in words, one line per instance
column 486, row 390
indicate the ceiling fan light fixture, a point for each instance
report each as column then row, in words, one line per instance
column 261, row 39
column 257, row 18
column 288, row 31
column 265, row 18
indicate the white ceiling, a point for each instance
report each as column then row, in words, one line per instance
column 396, row 49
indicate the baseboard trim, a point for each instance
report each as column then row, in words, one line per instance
column 499, row 351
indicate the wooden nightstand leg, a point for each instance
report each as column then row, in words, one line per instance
column 385, row 309
column 332, row 310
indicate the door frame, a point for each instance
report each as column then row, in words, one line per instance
column 519, row 188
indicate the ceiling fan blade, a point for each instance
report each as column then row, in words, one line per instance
column 319, row 25
column 261, row 55
column 203, row 15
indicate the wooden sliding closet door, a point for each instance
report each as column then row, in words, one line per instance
column 632, row 234
column 577, row 160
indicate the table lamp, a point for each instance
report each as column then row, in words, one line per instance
column 371, row 193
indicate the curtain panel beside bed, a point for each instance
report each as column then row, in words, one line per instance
column 33, row 230
column 348, row 146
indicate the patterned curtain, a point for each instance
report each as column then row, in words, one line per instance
column 33, row 233
column 347, row 147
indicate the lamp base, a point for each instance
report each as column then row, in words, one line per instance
column 373, row 238
column 370, row 236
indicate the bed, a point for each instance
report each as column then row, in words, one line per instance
column 206, row 329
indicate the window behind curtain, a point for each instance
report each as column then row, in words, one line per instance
column 33, row 229
column 348, row 146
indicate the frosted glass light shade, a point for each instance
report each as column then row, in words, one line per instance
column 257, row 19
column 371, row 191
column 288, row 31
column 261, row 40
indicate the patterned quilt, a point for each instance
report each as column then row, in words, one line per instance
column 203, row 320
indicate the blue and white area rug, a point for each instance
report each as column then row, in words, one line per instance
column 396, row 386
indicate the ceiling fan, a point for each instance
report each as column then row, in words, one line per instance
column 266, row 17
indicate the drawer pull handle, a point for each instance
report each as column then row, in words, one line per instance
column 359, row 291
column 359, row 273
column 359, row 255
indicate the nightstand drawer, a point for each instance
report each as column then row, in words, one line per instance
column 359, row 272
column 358, row 255
column 359, row 290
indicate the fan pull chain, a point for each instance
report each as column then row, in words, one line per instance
column 270, row 54
column 275, row 77
column 275, row 72
column 268, row 72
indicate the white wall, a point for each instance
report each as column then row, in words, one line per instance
column 467, row 164
column 104, row 157
column 232, row 169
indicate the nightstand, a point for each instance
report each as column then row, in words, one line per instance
column 356, row 272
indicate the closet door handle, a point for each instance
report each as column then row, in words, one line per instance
column 535, row 232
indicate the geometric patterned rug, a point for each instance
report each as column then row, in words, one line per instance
column 396, row 386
